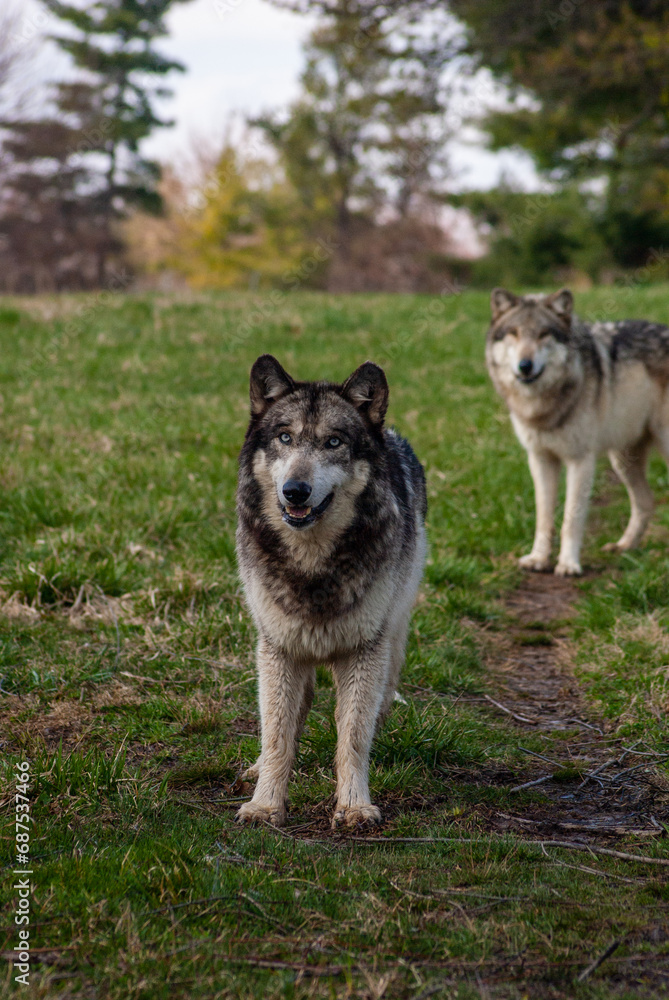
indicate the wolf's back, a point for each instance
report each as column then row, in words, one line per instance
column 635, row 340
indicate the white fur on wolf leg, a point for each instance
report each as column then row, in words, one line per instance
column 398, row 697
column 536, row 563
column 256, row 812
column 630, row 467
column 579, row 484
column 252, row 773
column 360, row 684
column 632, row 536
column 360, row 815
column 545, row 469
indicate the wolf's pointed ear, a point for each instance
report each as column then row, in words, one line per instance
column 501, row 301
column 269, row 382
column 367, row 389
column 562, row 304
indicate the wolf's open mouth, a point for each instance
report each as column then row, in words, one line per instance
column 300, row 517
column 526, row 379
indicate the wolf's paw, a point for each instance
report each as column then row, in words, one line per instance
column 568, row 567
column 253, row 812
column 535, row 564
column 621, row 546
column 356, row 816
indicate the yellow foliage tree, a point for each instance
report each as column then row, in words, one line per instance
column 237, row 225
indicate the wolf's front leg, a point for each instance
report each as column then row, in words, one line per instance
column 360, row 683
column 253, row 771
column 283, row 691
column 545, row 470
column 580, row 475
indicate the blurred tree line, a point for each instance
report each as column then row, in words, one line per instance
column 347, row 188
column 72, row 171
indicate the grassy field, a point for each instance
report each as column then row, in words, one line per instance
column 126, row 678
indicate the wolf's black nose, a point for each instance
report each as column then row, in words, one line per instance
column 296, row 493
column 525, row 366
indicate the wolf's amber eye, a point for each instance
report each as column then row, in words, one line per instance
column 333, row 442
column 285, row 438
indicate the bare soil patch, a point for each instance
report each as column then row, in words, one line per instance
column 531, row 659
column 600, row 785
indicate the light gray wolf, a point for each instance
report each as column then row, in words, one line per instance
column 575, row 390
column 331, row 545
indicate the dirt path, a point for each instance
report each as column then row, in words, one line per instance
column 598, row 784
column 531, row 660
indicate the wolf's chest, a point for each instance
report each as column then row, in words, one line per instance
column 320, row 618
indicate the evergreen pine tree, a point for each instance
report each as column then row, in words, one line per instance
column 77, row 171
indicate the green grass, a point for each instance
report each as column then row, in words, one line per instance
column 126, row 667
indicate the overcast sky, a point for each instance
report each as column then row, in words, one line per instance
column 244, row 56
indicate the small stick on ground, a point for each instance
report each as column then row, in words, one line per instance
column 533, row 753
column 514, row 715
column 587, row 725
column 594, row 871
column 139, row 677
column 566, row 844
column 79, row 600
column 528, row 784
column 305, row 970
column 607, row 831
column 598, row 961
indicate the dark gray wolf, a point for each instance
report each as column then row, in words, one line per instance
column 575, row 390
column 331, row 546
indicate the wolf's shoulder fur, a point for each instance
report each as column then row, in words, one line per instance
column 634, row 340
column 406, row 473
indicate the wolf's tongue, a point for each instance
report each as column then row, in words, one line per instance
column 298, row 511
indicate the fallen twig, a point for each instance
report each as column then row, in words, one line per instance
column 261, row 911
column 594, row 871
column 139, row 677
column 627, row 750
column 528, row 784
column 618, row 831
column 628, row 770
column 79, row 599
column 598, row 961
column 514, row 715
column 555, row 763
column 433, row 988
column 291, row 836
column 304, row 970
column 12, row 954
column 595, row 774
column 194, row 805
column 587, row 725
column 566, row 844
